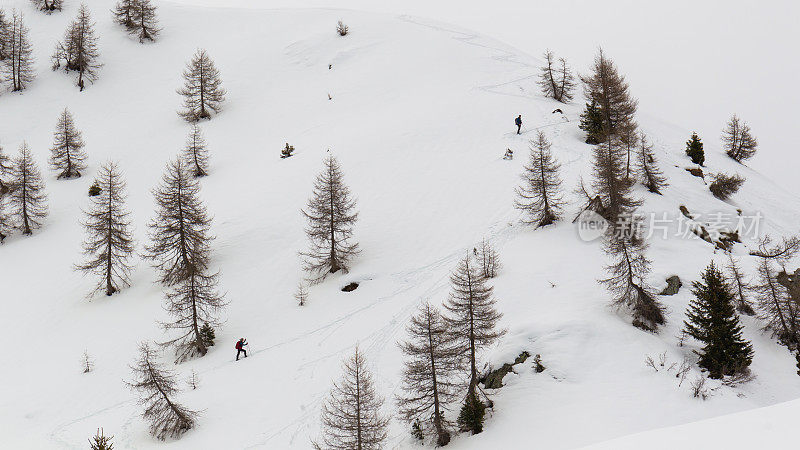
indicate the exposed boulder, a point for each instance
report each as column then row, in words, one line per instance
column 673, row 286
column 494, row 378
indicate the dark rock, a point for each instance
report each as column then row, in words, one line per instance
column 673, row 286
column 494, row 379
column 696, row 172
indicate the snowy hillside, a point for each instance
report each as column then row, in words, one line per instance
column 419, row 116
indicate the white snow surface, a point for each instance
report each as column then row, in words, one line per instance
column 420, row 116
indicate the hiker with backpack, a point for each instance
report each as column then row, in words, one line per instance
column 518, row 122
column 240, row 348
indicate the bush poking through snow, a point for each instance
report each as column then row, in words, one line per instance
column 287, row 151
column 472, row 414
column 724, row 186
column 342, row 29
column 48, row 6
column 699, row 389
column 301, row 295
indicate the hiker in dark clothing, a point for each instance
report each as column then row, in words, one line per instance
column 240, row 348
column 518, row 121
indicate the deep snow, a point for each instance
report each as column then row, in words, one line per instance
column 421, row 115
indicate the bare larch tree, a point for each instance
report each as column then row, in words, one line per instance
column 123, row 13
column 180, row 248
column 202, row 91
column 741, row 287
column 108, row 246
column 78, row 50
column 331, row 215
column 778, row 310
column 48, row 6
column 5, row 28
column 610, row 182
column 651, row 175
column 351, row 415
column 738, row 140
column 627, row 277
column 28, row 199
column 432, row 362
column 487, row 259
column 539, row 195
column 556, row 79
column 157, row 389
column 195, row 152
column 473, row 320
column 66, row 154
column 145, row 22
column 609, row 90
column 18, row 62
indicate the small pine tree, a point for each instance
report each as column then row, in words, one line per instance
column 592, row 123
column 652, row 177
column 145, row 23
column 351, row 415
column 342, row 29
column 66, row 155
column 539, row 196
column 48, row 6
column 428, row 375
column 157, row 388
column 488, row 259
column 627, row 280
column 473, row 320
column 694, row 150
column 556, row 79
column 712, row 320
column 331, row 215
column 18, row 52
column 123, row 13
column 78, row 50
column 738, row 140
column 28, row 200
column 100, row 441
column 740, row 286
column 109, row 245
column 287, row 151
column 724, row 186
column 195, row 152
column 207, row 334
column 202, row 91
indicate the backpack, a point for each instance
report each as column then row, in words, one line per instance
column 238, row 345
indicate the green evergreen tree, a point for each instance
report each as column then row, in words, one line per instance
column 712, row 320
column 592, row 123
column 694, row 150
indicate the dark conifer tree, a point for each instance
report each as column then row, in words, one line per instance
column 18, row 64
column 195, row 152
column 48, row 6
column 539, row 196
column 145, row 23
column 108, row 246
column 101, row 442
column 157, row 388
column 351, row 415
column 592, row 123
column 694, row 150
column 123, row 13
column 627, row 280
column 66, row 155
column 78, row 50
column 609, row 90
column 741, row 287
column 202, row 92
column 738, row 140
column 610, row 182
column 428, row 381
column 180, row 248
column 27, row 200
column 331, row 215
column 473, row 320
column 652, row 177
column 556, row 79
column 712, row 320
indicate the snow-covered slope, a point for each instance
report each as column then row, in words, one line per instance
column 421, row 113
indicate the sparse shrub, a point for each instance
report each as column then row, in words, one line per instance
column 287, row 151
column 342, row 29
column 724, row 186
